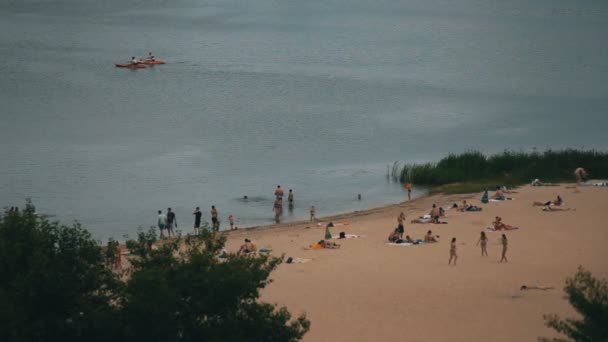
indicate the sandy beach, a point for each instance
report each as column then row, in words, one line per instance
column 370, row 291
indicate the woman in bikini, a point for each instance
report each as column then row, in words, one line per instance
column 505, row 243
column 483, row 241
column 453, row 255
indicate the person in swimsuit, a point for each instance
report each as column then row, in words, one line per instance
column 231, row 220
column 171, row 221
column 535, row 287
column 312, row 213
column 499, row 225
column 580, row 174
column 214, row 221
column 498, row 195
column 161, row 222
column 197, row 219
column 278, row 209
column 247, row 247
column 557, row 201
column 135, row 60
column 400, row 226
column 408, row 187
column 150, row 57
column 453, row 255
column 428, row 238
column 483, row 241
column 290, row 199
column 278, row 193
column 394, row 236
column 504, row 243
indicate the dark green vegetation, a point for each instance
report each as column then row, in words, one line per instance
column 589, row 297
column 473, row 171
column 56, row 285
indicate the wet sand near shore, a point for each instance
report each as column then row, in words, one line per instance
column 370, row 291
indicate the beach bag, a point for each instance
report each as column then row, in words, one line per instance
column 484, row 198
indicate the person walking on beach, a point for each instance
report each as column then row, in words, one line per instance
column 408, row 187
column 453, row 255
column 483, row 241
column 312, row 214
column 581, row 175
column 290, row 199
column 504, row 248
column 231, row 220
column 197, row 219
column 214, row 221
column 171, row 221
column 161, row 223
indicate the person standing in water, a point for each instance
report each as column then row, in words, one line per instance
column 504, row 242
column 161, row 222
column 278, row 193
column 483, row 241
column 290, row 199
column 453, row 255
column 214, row 221
column 197, row 219
column 313, row 211
column 278, row 209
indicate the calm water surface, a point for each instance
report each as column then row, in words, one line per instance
column 318, row 96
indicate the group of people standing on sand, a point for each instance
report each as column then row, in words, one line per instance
column 166, row 222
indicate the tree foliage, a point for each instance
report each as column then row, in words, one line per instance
column 57, row 285
column 589, row 297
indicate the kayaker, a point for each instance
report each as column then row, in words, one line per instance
column 134, row 60
column 150, row 56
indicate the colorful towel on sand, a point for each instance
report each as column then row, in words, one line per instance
column 501, row 200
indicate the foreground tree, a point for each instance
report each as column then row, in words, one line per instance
column 192, row 295
column 56, row 286
column 589, row 297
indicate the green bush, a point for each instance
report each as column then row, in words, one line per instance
column 508, row 167
column 589, row 297
column 56, row 286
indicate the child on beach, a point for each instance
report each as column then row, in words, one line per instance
column 504, row 248
column 312, row 214
column 453, row 255
column 483, row 241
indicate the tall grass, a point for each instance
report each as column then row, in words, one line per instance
column 507, row 168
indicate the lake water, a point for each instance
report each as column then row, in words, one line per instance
column 318, row 96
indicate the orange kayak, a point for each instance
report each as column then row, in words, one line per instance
column 153, row 62
column 130, row 65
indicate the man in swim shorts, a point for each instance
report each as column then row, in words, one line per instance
column 161, row 222
column 214, row 221
column 197, row 219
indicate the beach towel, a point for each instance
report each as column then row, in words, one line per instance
column 348, row 236
column 473, row 209
column 501, row 200
column 484, row 197
column 418, row 242
column 265, row 250
column 595, row 184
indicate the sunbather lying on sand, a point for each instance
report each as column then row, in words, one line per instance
column 325, row 244
column 427, row 219
column 557, row 201
column 429, row 237
column 394, row 236
column 551, row 208
column 468, row 207
column 498, row 195
column 535, row 287
column 499, row 225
